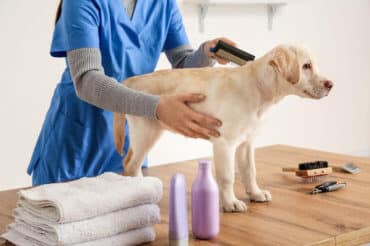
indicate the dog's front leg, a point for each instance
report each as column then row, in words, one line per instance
column 247, row 170
column 223, row 155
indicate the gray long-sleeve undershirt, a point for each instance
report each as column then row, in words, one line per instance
column 93, row 86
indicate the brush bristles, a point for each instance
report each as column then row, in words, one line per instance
column 313, row 165
column 313, row 179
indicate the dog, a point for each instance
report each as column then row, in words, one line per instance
column 238, row 96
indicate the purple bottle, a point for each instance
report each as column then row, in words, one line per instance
column 205, row 203
column 178, row 221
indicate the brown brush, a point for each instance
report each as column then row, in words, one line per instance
column 311, row 171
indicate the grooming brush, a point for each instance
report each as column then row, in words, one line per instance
column 231, row 53
column 328, row 187
column 311, row 172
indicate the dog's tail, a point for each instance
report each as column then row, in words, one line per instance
column 119, row 131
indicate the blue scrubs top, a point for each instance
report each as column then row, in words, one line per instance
column 76, row 139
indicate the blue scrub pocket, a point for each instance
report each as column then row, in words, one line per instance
column 65, row 148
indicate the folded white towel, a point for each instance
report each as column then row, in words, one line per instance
column 107, row 225
column 90, row 197
column 133, row 237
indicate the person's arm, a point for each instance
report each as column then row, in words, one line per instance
column 185, row 57
column 93, row 86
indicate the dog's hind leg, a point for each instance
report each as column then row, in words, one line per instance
column 244, row 158
column 143, row 134
column 223, row 155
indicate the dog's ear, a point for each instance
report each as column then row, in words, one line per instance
column 285, row 62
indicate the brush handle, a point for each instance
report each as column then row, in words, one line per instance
column 289, row 169
column 337, row 169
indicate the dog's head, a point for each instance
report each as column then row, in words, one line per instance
column 295, row 67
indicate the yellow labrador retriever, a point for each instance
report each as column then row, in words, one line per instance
column 238, row 97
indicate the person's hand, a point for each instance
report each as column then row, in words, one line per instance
column 175, row 113
column 211, row 44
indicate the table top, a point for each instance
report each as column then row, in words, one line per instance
column 293, row 217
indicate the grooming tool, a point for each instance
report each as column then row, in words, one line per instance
column 311, row 171
column 348, row 168
column 178, row 222
column 328, row 187
column 232, row 53
column 205, row 203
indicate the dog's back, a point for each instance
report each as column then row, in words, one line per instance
column 174, row 81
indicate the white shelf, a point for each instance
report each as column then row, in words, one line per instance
column 203, row 5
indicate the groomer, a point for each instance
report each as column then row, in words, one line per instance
column 105, row 42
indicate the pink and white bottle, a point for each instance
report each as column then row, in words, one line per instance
column 205, row 203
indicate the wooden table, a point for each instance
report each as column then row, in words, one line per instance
column 293, row 217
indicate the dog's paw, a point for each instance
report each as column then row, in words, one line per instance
column 260, row 196
column 234, row 206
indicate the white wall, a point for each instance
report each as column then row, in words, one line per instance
column 336, row 30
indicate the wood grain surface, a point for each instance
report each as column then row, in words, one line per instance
column 293, row 217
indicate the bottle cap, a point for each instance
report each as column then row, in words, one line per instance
column 204, row 163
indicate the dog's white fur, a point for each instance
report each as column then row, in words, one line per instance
column 238, row 97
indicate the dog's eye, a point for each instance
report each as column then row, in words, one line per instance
column 307, row 66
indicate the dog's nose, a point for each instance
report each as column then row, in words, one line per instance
column 328, row 84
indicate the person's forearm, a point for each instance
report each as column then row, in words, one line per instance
column 186, row 57
column 93, row 86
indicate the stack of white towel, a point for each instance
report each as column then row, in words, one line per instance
column 106, row 210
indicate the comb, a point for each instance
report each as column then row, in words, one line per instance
column 231, row 53
column 348, row 168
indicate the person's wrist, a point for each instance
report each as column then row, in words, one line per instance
column 209, row 57
column 157, row 109
column 205, row 47
column 155, row 115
